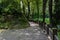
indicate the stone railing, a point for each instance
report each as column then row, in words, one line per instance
column 52, row 32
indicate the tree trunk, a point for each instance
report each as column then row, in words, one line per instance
column 24, row 9
column 57, row 11
column 44, row 8
column 37, row 3
column 50, row 11
column 28, row 9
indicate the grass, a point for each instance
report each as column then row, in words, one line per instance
column 41, row 19
column 18, row 23
column 14, row 25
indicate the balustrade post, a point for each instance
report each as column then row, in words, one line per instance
column 54, row 33
column 47, row 30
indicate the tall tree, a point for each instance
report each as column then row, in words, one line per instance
column 50, row 11
column 28, row 9
column 57, row 11
column 37, row 4
column 44, row 8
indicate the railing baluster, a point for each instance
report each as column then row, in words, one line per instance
column 54, row 33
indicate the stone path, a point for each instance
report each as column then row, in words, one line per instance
column 31, row 33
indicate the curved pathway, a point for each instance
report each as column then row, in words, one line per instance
column 31, row 33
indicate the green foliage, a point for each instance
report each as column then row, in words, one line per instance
column 59, row 35
column 11, row 15
column 11, row 10
column 57, row 11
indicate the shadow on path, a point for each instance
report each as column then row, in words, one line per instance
column 31, row 33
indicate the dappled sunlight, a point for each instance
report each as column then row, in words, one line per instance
column 33, row 24
column 2, row 30
column 24, row 34
column 29, row 19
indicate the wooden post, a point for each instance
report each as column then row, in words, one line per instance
column 54, row 33
column 47, row 30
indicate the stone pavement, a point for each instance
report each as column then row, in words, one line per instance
column 30, row 33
